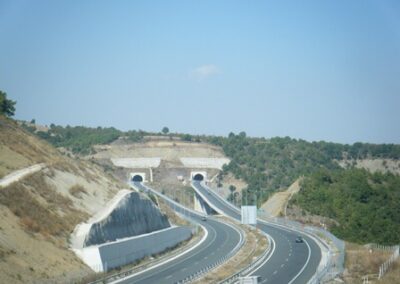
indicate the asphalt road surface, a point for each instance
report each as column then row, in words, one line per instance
column 290, row 262
column 221, row 240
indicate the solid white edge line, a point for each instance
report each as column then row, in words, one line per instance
column 168, row 260
column 305, row 265
column 282, row 227
column 240, row 232
column 223, row 213
column 183, row 253
column 267, row 259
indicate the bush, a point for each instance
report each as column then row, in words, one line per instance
column 77, row 190
column 364, row 204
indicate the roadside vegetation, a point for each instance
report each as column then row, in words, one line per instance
column 364, row 205
column 269, row 165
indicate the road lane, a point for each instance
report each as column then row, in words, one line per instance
column 220, row 241
column 291, row 262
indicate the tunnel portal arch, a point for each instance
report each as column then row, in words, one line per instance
column 198, row 175
column 138, row 177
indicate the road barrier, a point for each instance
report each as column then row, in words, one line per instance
column 388, row 263
column 334, row 264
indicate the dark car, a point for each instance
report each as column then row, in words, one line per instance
column 204, row 218
column 299, row 239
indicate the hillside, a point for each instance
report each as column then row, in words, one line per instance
column 364, row 205
column 270, row 165
column 40, row 211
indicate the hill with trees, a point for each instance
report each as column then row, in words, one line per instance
column 269, row 165
column 364, row 205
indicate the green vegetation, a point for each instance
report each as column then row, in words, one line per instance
column 79, row 139
column 7, row 107
column 365, row 205
column 268, row 165
column 165, row 130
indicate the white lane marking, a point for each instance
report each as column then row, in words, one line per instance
column 173, row 258
column 271, row 241
column 305, row 265
column 287, row 259
column 275, row 272
column 169, row 276
column 278, row 226
column 183, row 269
column 282, row 265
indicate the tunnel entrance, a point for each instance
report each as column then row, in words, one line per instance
column 198, row 177
column 138, row 178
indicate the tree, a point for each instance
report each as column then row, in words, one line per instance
column 232, row 188
column 7, row 107
column 33, row 121
column 165, row 130
column 187, row 137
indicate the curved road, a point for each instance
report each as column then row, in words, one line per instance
column 221, row 240
column 290, row 262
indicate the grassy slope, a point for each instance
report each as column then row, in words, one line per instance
column 39, row 212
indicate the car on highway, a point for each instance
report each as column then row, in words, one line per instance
column 204, row 218
column 299, row 239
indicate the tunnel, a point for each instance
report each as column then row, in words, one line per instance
column 138, row 178
column 198, row 177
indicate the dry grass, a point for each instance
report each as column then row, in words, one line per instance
column 393, row 275
column 38, row 206
column 5, row 252
column 361, row 261
column 172, row 216
column 77, row 190
column 255, row 244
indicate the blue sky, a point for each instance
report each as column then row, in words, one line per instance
column 316, row 70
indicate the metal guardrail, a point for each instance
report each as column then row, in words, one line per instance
column 335, row 262
column 210, row 267
column 216, row 264
column 235, row 277
column 336, row 248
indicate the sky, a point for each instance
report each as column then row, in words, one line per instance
column 316, row 70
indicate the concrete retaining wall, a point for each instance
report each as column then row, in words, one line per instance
column 127, row 251
column 204, row 163
column 132, row 163
column 133, row 215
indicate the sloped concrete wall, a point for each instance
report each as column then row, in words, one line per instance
column 133, row 215
column 127, row 251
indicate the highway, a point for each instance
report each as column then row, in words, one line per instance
column 290, row 262
column 221, row 239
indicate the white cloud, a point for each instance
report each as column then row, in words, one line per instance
column 205, row 71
